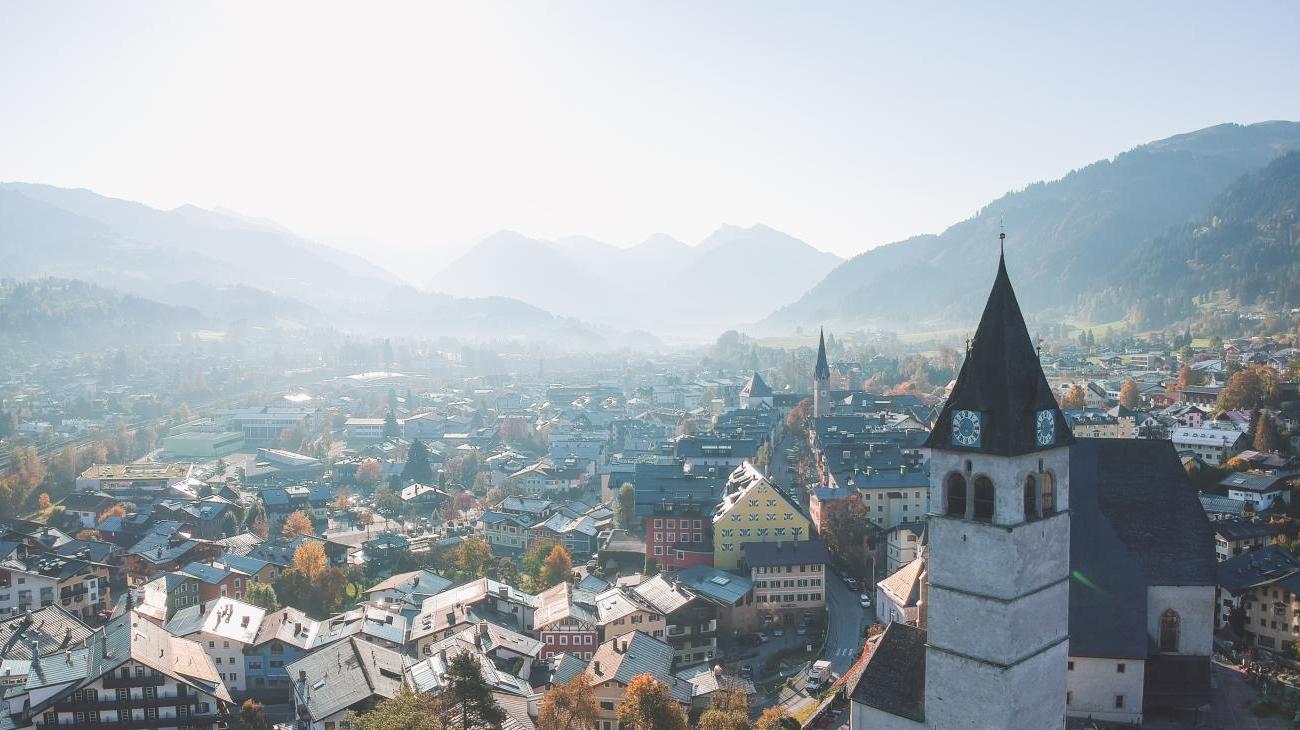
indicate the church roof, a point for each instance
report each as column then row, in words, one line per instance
column 756, row 388
column 893, row 679
column 1135, row 522
column 823, row 369
column 1003, row 380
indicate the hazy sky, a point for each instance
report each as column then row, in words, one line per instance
column 413, row 129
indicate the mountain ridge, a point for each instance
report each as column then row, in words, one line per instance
column 1065, row 237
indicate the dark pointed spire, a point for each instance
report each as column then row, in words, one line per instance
column 1003, row 381
column 823, row 369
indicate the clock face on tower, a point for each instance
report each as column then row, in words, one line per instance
column 966, row 428
column 1045, row 428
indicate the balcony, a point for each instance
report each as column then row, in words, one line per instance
column 203, row 722
column 114, row 681
column 111, row 704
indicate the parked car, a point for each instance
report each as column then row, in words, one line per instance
column 801, row 629
column 761, row 637
column 747, row 672
column 851, row 582
column 865, row 600
column 778, row 631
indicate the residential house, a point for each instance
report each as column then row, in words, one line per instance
column 753, row 510
column 284, row 637
column 1260, row 491
column 1234, row 537
column 620, row 611
column 407, row 591
column 225, row 628
column 129, row 673
column 566, row 622
column 506, row 534
column 1211, row 444
column 691, row 619
column 789, row 578
column 334, row 683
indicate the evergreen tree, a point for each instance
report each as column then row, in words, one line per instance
column 468, row 697
column 418, row 468
column 391, row 428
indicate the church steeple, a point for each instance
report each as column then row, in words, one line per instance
column 1001, row 403
column 821, row 379
column 823, row 369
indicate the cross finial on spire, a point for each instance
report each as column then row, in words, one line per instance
column 1002, row 238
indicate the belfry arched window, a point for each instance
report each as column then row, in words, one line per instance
column 984, row 499
column 1047, row 495
column 1031, row 497
column 1169, row 621
column 955, row 495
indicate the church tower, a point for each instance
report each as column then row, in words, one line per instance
column 999, row 532
column 821, row 381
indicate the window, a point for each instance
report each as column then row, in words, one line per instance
column 1119, row 702
column 955, row 486
column 1047, row 501
column 1031, row 494
column 1069, row 666
column 983, row 499
column 1169, row 630
column 1120, row 667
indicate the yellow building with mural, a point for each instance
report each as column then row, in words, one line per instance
column 753, row 510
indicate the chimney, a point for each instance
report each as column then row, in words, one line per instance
column 302, row 676
column 595, row 666
column 36, row 654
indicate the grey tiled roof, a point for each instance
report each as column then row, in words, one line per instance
column 893, row 678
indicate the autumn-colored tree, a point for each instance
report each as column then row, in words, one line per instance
column 1267, row 439
column 296, row 525
column 309, row 559
column 369, row 471
column 1186, row 378
column 473, row 555
column 387, row 501
column 1236, row 463
column 87, row 535
column 776, row 718
column 1074, row 398
column 536, row 555
column 63, row 468
column 557, row 567
column 797, row 419
column 464, row 501
column 405, row 710
column 28, row 467
column 627, row 507
column 342, row 501
column 1249, row 388
column 43, row 501
column 260, row 527
column 116, row 510
column 1128, row 393
column 647, row 704
column 728, row 710
column 252, row 715
column 571, row 705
